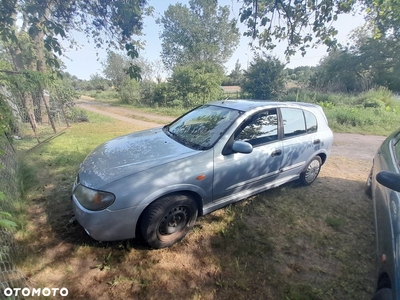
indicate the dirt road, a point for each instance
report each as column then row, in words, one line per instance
column 348, row 145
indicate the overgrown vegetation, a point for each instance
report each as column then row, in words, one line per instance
column 374, row 112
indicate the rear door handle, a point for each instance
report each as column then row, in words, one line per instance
column 317, row 141
column 276, row 153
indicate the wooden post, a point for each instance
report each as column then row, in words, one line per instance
column 46, row 96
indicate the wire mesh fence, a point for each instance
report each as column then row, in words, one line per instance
column 32, row 119
column 10, row 276
column 36, row 117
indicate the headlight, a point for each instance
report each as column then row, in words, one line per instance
column 92, row 199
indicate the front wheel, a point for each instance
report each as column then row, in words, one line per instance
column 309, row 175
column 167, row 220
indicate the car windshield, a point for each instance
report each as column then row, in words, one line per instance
column 202, row 127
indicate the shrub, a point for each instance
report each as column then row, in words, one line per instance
column 129, row 92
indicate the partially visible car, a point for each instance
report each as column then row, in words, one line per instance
column 383, row 184
column 156, row 182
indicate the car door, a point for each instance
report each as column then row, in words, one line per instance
column 387, row 208
column 238, row 174
column 300, row 139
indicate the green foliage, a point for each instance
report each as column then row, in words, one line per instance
column 114, row 68
column 385, row 15
column 129, row 92
column 5, row 221
column 97, row 82
column 107, row 23
column 62, row 91
column 6, row 120
column 197, row 83
column 200, row 32
column 372, row 112
column 164, row 94
column 264, row 78
column 75, row 114
column 340, row 71
column 262, row 17
column 382, row 97
column 147, row 90
column 235, row 77
column 300, row 75
column 304, row 24
column 368, row 62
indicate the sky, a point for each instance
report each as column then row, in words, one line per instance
column 84, row 62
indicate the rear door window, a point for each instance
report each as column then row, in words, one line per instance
column 293, row 122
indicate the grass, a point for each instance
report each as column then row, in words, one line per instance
column 287, row 243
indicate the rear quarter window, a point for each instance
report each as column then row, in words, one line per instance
column 311, row 122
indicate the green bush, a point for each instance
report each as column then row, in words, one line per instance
column 129, row 92
column 376, row 98
column 374, row 103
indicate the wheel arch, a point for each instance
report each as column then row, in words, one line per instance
column 189, row 193
column 323, row 156
column 384, row 281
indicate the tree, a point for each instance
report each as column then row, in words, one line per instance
column 304, row 24
column 367, row 62
column 264, row 78
column 236, row 75
column 198, row 33
column 385, row 15
column 108, row 23
column 340, row 71
column 197, row 83
column 379, row 57
column 97, row 82
column 114, row 68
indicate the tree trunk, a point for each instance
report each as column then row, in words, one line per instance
column 41, row 67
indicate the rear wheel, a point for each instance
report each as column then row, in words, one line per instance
column 167, row 220
column 309, row 175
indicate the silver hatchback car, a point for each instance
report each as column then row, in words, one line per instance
column 156, row 182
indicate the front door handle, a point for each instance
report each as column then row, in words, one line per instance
column 276, row 153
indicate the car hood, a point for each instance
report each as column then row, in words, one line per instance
column 130, row 154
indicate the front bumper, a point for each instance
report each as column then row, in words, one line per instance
column 106, row 225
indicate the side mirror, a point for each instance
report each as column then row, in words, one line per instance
column 389, row 179
column 242, row 147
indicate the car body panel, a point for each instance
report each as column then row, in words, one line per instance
column 130, row 154
column 386, row 204
column 142, row 167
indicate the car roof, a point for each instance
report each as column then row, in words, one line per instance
column 248, row 104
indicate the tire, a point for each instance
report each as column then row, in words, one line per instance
column 310, row 173
column 167, row 220
column 368, row 184
column 383, row 294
